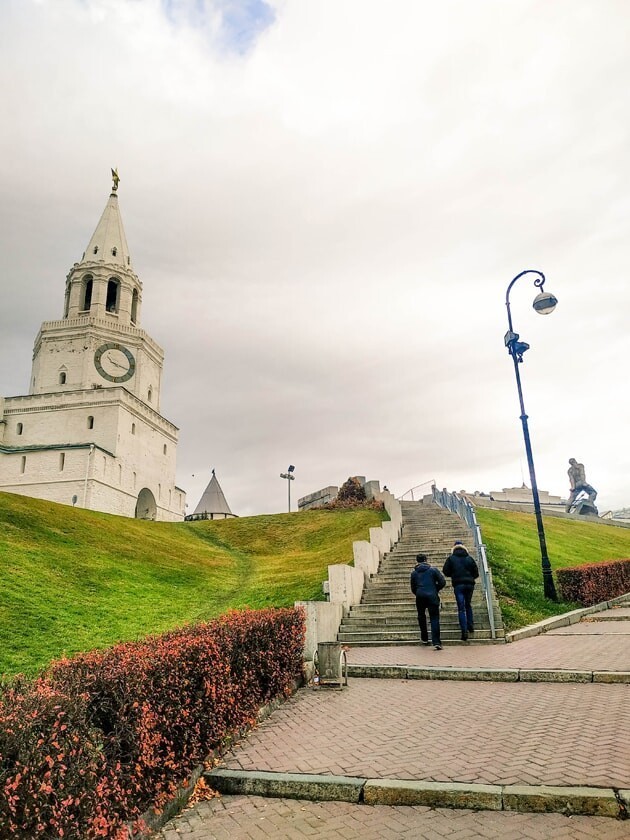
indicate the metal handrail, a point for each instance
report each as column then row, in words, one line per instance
column 431, row 481
column 462, row 507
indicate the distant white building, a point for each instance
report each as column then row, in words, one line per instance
column 90, row 432
column 213, row 504
column 513, row 495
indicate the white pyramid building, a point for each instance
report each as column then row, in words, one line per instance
column 213, row 504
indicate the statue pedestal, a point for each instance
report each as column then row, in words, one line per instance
column 585, row 508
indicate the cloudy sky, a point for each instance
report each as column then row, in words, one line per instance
column 326, row 201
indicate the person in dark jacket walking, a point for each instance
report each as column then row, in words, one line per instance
column 426, row 582
column 463, row 571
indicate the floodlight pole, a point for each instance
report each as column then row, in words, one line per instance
column 289, row 477
column 516, row 350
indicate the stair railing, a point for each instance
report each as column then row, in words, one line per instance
column 430, row 482
column 462, row 507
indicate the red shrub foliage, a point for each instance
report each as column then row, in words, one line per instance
column 94, row 741
column 595, row 582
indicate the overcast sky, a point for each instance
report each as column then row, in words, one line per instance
column 325, row 201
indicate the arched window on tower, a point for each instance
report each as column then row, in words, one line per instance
column 62, row 377
column 150, row 394
column 113, row 292
column 86, row 297
column 114, row 251
column 134, row 306
column 90, row 422
column 20, row 428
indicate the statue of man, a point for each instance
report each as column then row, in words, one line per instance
column 578, row 484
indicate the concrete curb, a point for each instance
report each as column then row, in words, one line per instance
column 539, row 799
column 433, row 672
column 287, row 785
column 563, row 620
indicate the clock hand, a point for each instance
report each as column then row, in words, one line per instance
column 122, row 367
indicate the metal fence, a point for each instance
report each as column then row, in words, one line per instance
column 462, row 507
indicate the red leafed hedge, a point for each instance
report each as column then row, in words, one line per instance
column 595, row 582
column 95, row 740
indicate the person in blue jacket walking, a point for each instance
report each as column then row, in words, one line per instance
column 426, row 582
column 463, row 571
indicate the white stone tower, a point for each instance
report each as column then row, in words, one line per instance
column 90, row 431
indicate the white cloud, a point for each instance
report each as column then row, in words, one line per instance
column 326, row 222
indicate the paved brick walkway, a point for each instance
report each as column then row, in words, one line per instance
column 488, row 733
column 471, row 732
column 254, row 818
column 601, row 645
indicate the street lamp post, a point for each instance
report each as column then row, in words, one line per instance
column 544, row 303
column 289, row 477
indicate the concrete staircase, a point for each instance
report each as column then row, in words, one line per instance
column 387, row 612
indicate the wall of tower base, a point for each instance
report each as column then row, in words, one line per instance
column 166, row 504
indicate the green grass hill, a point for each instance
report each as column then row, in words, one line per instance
column 514, row 556
column 72, row 580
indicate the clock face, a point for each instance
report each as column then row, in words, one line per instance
column 114, row 362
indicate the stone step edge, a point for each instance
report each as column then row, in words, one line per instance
column 441, row 672
column 570, row 800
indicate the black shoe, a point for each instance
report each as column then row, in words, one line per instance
column 464, row 637
column 471, row 629
column 437, row 647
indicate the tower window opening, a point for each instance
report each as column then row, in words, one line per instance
column 164, row 449
column 120, row 473
column 150, row 394
column 62, row 461
column 111, row 302
column 23, row 465
column 90, row 422
column 87, row 293
column 134, row 306
column 96, row 249
column 62, row 378
column 114, row 251
column 133, row 428
column 20, row 428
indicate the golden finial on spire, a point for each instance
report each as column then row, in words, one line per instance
column 115, row 178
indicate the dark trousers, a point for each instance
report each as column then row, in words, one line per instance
column 433, row 607
column 463, row 596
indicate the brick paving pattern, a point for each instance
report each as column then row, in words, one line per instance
column 255, row 818
column 477, row 732
column 490, row 733
column 604, row 649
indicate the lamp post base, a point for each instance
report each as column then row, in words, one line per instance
column 549, row 586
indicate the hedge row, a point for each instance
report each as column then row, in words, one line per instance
column 595, row 582
column 94, row 741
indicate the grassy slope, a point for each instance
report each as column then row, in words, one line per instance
column 514, row 556
column 72, row 580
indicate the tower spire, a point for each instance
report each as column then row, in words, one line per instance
column 109, row 243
